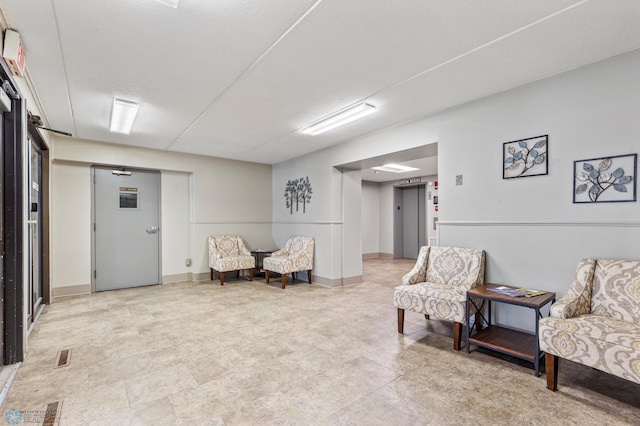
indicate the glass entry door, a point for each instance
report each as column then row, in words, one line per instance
column 35, row 230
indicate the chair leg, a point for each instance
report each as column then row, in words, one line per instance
column 478, row 321
column 457, row 335
column 266, row 275
column 309, row 275
column 293, row 276
column 211, row 269
column 400, row 321
column 221, row 278
column 251, row 274
column 284, row 280
column 551, row 366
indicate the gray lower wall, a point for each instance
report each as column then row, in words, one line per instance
column 541, row 255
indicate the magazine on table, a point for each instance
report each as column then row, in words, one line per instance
column 516, row 292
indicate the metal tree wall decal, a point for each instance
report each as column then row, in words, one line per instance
column 298, row 191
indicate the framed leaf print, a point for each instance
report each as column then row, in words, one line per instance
column 525, row 157
column 605, row 180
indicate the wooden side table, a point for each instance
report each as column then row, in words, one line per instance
column 260, row 254
column 505, row 340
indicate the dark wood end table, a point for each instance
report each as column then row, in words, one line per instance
column 260, row 254
column 505, row 340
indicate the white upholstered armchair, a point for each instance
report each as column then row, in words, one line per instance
column 597, row 323
column 228, row 253
column 437, row 286
column 297, row 255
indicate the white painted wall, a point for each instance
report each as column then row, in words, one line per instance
column 175, row 226
column 200, row 196
column 323, row 217
column 70, row 230
column 352, row 229
column 370, row 217
column 532, row 232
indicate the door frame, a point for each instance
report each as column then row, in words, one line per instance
column 93, row 217
column 38, row 141
column 14, row 330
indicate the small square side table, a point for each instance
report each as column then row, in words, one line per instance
column 506, row 340
column 260, row 254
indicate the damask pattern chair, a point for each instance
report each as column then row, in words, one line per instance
column 228, row 253
column 296, row 256
column 437, row 286
column 597, row 323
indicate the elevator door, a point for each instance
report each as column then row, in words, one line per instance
column 409, row 221
column 126, row 228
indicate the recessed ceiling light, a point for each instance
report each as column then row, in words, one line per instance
column 123, row 115
column 339, row 118
column 395, row 168
column 170, row 3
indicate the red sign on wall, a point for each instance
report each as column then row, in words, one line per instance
column 14, row 53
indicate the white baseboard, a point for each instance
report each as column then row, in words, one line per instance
column 176, row 278
column 72, row 290
column 338, row 282
column 368, row 256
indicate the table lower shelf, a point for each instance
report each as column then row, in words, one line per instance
column 506, row 340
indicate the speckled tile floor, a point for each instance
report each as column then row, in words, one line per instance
column 252, row 353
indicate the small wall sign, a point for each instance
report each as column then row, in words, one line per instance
column 128, row 198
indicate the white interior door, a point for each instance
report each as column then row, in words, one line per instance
column 126, row 228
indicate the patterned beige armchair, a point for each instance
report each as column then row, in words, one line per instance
column 597, row 323
column 437, row 286
column 228, row 253
column 297, row 255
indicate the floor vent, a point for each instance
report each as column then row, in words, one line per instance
column 52, row 415
column 64, row 358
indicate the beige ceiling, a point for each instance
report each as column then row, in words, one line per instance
column 239, row 78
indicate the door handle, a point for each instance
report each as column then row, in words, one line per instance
column 152, row 230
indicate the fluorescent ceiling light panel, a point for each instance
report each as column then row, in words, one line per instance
column 339, row 118
column 395, row 168
column 123, row 115
column 170, row 3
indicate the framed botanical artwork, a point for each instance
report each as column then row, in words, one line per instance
column 605, row 180
column 525, row 157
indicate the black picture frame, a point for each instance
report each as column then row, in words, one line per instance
column 525, row 157
column 605, row 179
